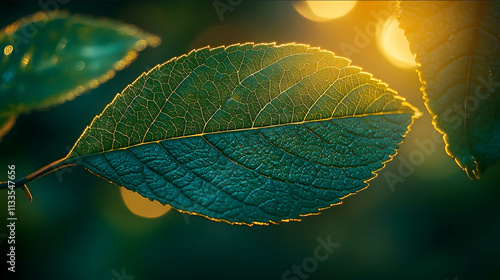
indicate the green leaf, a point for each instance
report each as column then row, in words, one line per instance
column 247, row 134
column 49, row 58
column 456, row 45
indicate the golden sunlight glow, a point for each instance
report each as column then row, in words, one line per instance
column 25, row 60
column 323, row 10
column 8, row 49
column 142, row 206
column 393, row 44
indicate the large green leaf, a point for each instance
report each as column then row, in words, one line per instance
column 247, row 134
column 457, row 48
column 49, row 58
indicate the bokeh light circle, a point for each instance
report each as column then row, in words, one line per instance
column 393, row 44
column 323, row 10
column 142, row 206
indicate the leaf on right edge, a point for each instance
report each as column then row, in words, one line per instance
column 457, row 50
column 247, row 134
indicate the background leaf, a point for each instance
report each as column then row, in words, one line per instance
column 6, row 123
column 49, row 58
column 456, row 45
column 247, row 133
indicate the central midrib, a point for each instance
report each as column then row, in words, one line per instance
column 399, row 112
column 469, row 66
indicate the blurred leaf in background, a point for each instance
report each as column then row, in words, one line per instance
column 457, row 48
column 49, row 58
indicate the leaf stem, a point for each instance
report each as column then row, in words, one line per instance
column 21, row 183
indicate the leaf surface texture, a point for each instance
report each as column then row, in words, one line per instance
column 247, row 134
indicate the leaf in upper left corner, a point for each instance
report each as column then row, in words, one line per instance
column 49, row 58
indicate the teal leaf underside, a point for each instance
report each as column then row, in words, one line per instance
column 247, row 134
column 261, row 175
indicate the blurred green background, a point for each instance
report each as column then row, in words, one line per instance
column 433, row 224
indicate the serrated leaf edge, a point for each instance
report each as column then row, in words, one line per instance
column 414, row 116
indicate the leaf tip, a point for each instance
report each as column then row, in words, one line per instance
column 418, row 113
